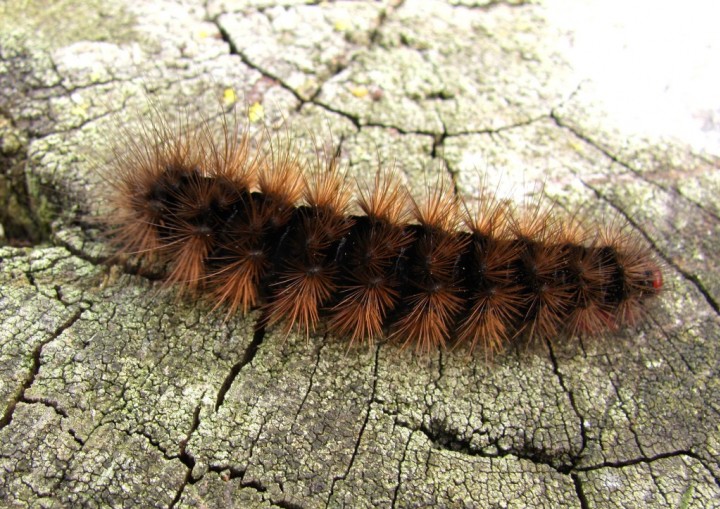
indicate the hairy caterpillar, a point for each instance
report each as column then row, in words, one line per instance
column 248, row 222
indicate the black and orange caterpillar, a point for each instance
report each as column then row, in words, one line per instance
column 250, row 223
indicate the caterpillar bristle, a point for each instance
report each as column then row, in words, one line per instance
column 242, row 259
column 488, row 219
column 387, row 201
column 140, row 183
column 588, row 274
column 306, row 275
column 534, row 224
column 280, row 178
column 300, row 291
column 372, row 286
column 433, row 296
column 251, row 223
column 327, row 190
column 438, row 210
column 636, row 276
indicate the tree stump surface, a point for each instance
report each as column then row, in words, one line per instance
column 116, row 393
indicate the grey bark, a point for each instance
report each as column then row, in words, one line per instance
column 115, row 393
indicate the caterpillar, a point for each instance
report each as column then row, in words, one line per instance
column 248, row 222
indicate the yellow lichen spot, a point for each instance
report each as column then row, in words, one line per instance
column 576, row 146
column 341, row 25
column 308, row 88
column 359, row 91
column 96, row 75
column 256, row 112
column 80, row 109
column 229, row 97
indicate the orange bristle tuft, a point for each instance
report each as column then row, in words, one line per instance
column 438, row 210
column 433, row 296
column 388, row 200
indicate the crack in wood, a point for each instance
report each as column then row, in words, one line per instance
column 35, row 367
column 247, row 358
column 396, row 491
column 615, row 159
column 362, row 427
column 579, row 491
column 571, row 396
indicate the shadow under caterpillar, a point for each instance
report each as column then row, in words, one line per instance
column 251, row 226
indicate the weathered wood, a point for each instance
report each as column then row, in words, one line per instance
column 114, row 393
